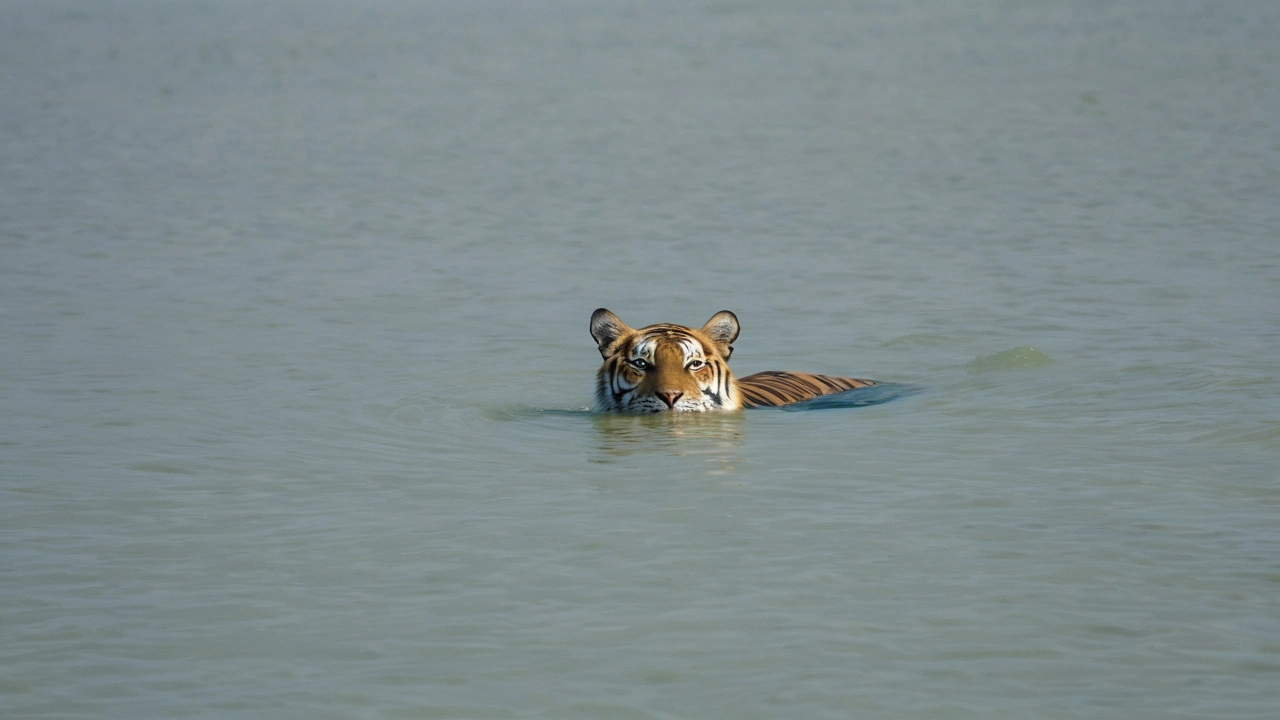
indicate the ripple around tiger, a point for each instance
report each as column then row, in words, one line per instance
column 668, row 367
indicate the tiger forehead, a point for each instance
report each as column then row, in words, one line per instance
column 649, row 340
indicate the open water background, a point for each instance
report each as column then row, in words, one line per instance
column 293, row 308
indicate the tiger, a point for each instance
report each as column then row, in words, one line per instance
column 673, row 368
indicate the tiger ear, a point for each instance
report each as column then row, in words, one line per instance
column 606, row 328
column 723, row 329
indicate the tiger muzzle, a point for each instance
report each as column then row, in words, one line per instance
column 670, row 397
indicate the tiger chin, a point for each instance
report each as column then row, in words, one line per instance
column 673, row 368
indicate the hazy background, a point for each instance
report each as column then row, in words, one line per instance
column 294, row 306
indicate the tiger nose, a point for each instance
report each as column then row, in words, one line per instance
column 670, row 397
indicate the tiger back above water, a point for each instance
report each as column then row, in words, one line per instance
column 668, row 367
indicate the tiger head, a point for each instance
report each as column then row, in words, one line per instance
column 665, row 367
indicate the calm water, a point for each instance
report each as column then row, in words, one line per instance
column 294, row 315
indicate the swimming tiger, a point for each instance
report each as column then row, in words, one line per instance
column 667, row 367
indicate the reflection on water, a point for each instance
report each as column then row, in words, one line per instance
column 706, row 434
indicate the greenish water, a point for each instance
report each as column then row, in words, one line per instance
column 294, row 302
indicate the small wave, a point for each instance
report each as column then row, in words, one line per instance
column 524, row 412
column 918, row 340
column 1015, row 358
column 858, row 397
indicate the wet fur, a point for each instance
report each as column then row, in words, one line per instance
column 668, row 367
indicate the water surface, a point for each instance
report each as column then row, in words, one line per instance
column 295, row 359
